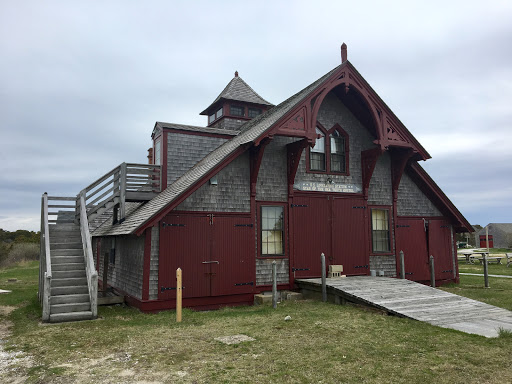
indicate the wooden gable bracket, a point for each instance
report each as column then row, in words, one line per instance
column 294, row 152
column 256, row 155
column 399, row 159
column 368, row 161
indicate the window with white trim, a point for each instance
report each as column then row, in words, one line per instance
column 380, row 230
column 272, row 230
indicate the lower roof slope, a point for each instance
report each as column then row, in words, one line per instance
column 250, row 131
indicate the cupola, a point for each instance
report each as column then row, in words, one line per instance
column 235, row 105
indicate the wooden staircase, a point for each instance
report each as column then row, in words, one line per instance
column 68, row 279
column 69, row 293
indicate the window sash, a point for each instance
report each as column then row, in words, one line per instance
column 236, row 110
column 272, row 230
column 380, row 231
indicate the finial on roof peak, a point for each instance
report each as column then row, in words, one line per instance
column 236, row 73
column 343, row 53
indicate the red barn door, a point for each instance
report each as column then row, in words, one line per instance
column 411, row 238
column 440, row 246
column 483, row 241
column 215, row 253
column 349, row 233
column 184, row 244
column 233, row 267
column 312, row 235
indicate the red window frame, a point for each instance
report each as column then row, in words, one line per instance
column 261, row 204
column 327, row 136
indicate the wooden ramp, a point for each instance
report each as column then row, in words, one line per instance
column 416, row 301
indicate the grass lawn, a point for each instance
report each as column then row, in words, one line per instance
column 322, row 343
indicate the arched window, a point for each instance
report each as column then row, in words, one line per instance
column 317, row 153
column 338, row 163
column 330, row 156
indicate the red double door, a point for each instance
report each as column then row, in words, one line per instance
column 419, row 238
column 337, row 227
column 215, row 253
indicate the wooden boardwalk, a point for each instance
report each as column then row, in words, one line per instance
column 416, row 301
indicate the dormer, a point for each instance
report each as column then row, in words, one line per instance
column 235, row 105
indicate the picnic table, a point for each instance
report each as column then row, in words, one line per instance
column 479, row 255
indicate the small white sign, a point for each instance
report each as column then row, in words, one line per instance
column 326, row 187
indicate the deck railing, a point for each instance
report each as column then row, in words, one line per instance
column 90, row 269
column 126, row 182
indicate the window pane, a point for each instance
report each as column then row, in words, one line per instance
column 380, row 230
column 236, row 110
column 211, row 118
column 320, row 143
column 253, row 112
column 219, row 113
column 272, row 230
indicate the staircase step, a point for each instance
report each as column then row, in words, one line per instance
column 69, row 267
column 77, row 245
column 70, row 307
column 66, row 259
column 69, row 282
column 58, row 228
column 67, row 299
column 71, row 290
column 68, row 238
column 72, row 316
column 67, row 252
column 68, row 274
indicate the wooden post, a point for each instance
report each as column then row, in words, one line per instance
column 274, row 284
column 432, row 272
column 178, row 295
column 324, row 286
column 122, row 193
column 402, row 265
column 486, row 270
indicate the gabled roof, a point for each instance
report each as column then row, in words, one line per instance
column 251, row 133
column 209, row 165
column 238, row 90
column 503, row 227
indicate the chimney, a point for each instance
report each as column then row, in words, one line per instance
column 150, row 156
column 343, row 53
column 236, row 73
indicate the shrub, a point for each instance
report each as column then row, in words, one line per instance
column 19, row 252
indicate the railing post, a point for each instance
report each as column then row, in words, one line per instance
column 122, row 193
column 46, row 296
column 324, row 284
column 274, row 284
column 402, row 265
column 486, row 270
column 432, row 272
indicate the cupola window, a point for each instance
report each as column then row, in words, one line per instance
column 236, row 110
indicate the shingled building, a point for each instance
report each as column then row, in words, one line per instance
column 329, row 170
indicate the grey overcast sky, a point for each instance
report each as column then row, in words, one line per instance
column 83, row 82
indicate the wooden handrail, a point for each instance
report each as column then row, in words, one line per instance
column 101, row 179
column 45, row 262
column 92, row 275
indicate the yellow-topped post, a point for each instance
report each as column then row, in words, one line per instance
column 178, row 295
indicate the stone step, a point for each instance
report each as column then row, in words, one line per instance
column 69, row 290
column 68, row 274
column 67, row 252
column 72, row 316
column 77, row 245
column 70, row 307
column 69, row 267
column 66, row 259
column 69, row 282
column 68, row 299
